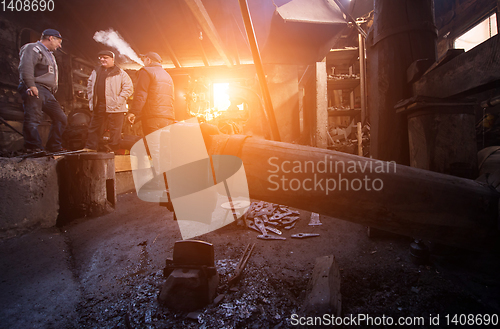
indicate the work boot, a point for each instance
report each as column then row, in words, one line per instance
column 33, row 150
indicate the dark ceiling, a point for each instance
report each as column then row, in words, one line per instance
column 211, row 34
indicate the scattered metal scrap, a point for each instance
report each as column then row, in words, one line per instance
column 265, row 217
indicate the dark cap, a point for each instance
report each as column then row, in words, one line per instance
column 106, row 53
column 52, row 33
column 153, row 56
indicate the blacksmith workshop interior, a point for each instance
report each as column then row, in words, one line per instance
column 331, row 163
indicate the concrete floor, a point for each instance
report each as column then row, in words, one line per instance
column 105, row 272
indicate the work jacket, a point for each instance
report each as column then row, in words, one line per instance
column 118, row 88
column 154, row 93
column 37, row 65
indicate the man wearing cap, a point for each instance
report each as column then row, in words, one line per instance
column 108, row 89
column 38, row 81
column 154, row 96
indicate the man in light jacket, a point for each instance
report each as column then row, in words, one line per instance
column 38, row 82
column 108, row 89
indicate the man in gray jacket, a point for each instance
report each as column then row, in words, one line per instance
column 154, row 96
column 38, row 82
column 108, row 89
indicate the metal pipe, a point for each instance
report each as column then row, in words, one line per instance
column 491, row 102
column 362, row 76
column 350, row 18
column 405, row 200
column 247, row 20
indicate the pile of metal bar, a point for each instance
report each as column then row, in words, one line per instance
column 265, row 217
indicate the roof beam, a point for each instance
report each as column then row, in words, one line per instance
column 196, row 31
column 477, row 69
column 170, row 50
column 201, row 15
column 236, row 54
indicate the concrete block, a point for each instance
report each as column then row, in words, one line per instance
column 29, row 195
column 124, row 182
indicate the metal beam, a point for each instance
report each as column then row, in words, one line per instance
column 479, row 67
column 350, row 18
column 201, row 15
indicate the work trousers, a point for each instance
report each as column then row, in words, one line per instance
column 150, row 125
column 33, row 113
column 101, row 119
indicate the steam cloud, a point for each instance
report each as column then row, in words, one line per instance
column 114, row 39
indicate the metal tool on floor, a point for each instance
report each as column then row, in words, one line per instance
column 260, row 225
column 270, row 237
column 252, row 226
column 280, row 215
column 304, row 235
column 241, row 265
column 274, row 230
column 314, row 220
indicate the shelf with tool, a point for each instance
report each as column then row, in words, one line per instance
column 78, row 111
column 344, row 109
column 80, row 72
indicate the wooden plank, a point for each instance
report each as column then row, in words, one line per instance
column 475, row 68
column 324, row 295
column 396, row 198
column 448, row 56
column 498, row 15
column 122, row 163
column 342, row 57
column 360, row 139
column 362, row 75
column 347, row 84
column 321, row 106
column 350, row 113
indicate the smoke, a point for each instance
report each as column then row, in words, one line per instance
column 114, row 39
